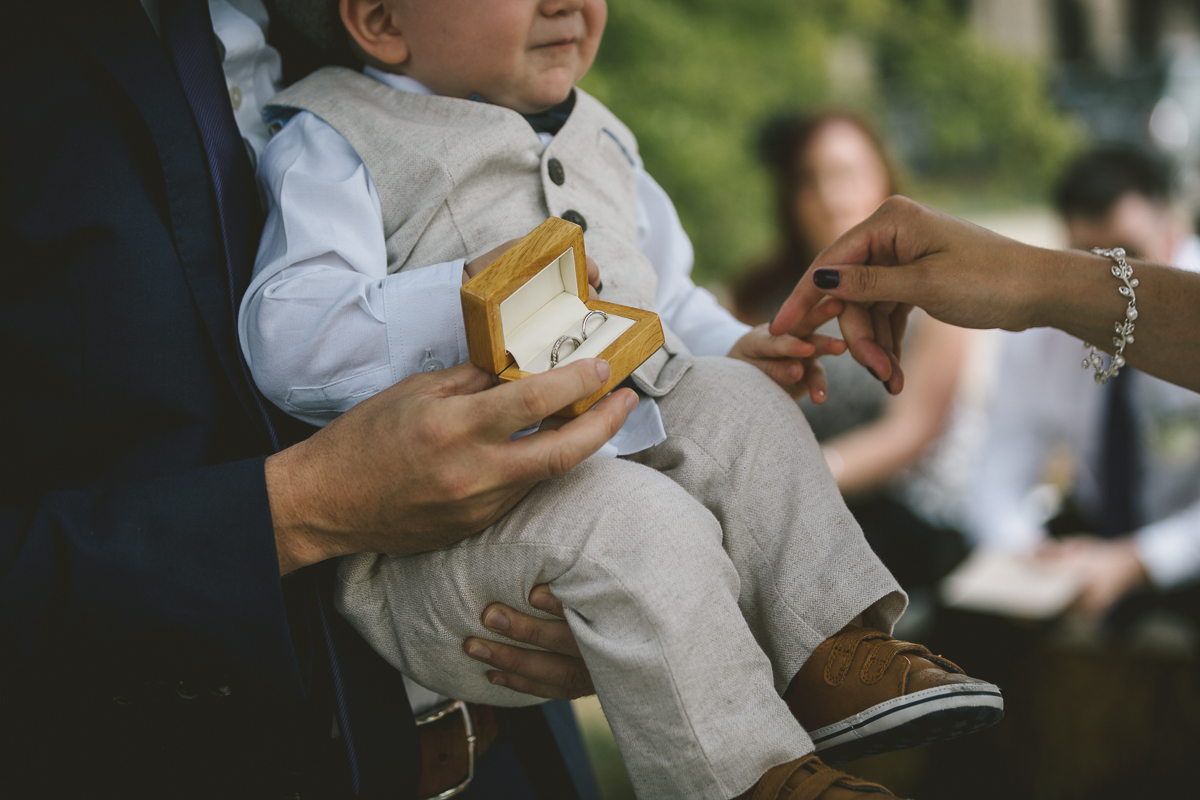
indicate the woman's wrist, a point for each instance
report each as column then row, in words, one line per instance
column 1074, row 291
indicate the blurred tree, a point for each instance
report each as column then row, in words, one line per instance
column 695, row 79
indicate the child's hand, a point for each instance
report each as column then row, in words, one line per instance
column 789, row 361
column 479, row 264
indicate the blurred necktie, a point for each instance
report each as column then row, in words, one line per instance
column 191, row 44
column 1120, row 475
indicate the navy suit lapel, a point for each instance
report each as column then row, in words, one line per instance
column 118, row 34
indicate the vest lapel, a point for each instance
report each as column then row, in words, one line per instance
column 119, row 36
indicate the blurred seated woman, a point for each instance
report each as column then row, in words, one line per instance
column 832, row 171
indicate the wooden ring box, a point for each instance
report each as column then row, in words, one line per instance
column 535, row 293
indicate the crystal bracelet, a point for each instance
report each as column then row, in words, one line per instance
column 1123, row 327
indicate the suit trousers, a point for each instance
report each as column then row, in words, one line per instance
column 697, row 576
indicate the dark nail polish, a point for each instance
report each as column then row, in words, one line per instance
column 874, row 374
column 827, row 278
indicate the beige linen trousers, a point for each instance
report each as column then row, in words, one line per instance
column 697, row 577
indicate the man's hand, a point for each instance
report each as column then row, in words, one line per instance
column 430, row 461
column 556, row 671
column 1110, row 569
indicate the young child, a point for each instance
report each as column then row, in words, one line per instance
column 711, row 574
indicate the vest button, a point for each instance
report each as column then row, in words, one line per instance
column 571, row 215
column 555, row 168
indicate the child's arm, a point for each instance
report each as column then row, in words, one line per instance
column 707, row 328
column 323, row 326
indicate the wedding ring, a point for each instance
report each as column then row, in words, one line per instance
column 558, row 344
column 589, row 316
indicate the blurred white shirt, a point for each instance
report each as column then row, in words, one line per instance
column 1045, row 399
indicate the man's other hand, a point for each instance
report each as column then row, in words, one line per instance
column 431, row 461
column 556, row 671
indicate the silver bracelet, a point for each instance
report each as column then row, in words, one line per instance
column 1123, row 327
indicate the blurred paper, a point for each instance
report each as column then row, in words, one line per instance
column 1011, row 585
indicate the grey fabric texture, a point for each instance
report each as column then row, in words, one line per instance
column 696, row 582
column 457, row 178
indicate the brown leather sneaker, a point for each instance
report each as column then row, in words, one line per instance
column 808, row 779
column 863, row 693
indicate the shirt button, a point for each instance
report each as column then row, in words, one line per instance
column 571, row 215
column 235, row 97
column 555, row 169
column 431, row 364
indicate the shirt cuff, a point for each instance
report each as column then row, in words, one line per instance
column 1170, row 552
column 423, row 311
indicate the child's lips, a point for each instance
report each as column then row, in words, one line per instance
column 557, row 43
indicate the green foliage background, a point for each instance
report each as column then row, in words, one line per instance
column 695, row 79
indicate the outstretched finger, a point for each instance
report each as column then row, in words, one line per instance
column 859, row 332
column 761, row 344
column 799, row 304
column 593, row 270
column 783, row 371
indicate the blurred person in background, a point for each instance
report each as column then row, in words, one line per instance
column 1133, row 517
column 832, row 171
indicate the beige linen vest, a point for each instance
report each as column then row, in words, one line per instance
column 457, row 177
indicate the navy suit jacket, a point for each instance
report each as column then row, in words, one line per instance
column 148, row 646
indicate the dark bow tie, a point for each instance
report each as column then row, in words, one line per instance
column 549, row 121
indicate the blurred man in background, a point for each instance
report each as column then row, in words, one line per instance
column 1134, row 442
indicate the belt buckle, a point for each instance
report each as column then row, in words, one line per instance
column 445, row 711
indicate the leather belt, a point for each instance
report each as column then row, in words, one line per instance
column 452, row 736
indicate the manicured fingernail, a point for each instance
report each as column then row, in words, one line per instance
column 603, row 369
column 631, row 401
column 827, row 278
column 497, row 680
column 543, row 600
column 479, row 651
column 772, row 322
column 599, row 287
column 496, row 620
column 874, row 374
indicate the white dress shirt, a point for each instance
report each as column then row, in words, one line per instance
column 1043, row 400
column 324, row 325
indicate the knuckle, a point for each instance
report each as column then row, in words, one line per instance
column 863, row 280
column 534, row 402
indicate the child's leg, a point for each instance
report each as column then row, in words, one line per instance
column 743, row 448
column 651, row 597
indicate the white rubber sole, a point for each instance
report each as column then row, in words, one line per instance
column 913, row 720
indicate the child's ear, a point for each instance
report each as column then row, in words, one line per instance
column 374, row 27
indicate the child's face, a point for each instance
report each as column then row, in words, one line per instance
column 522, row 54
